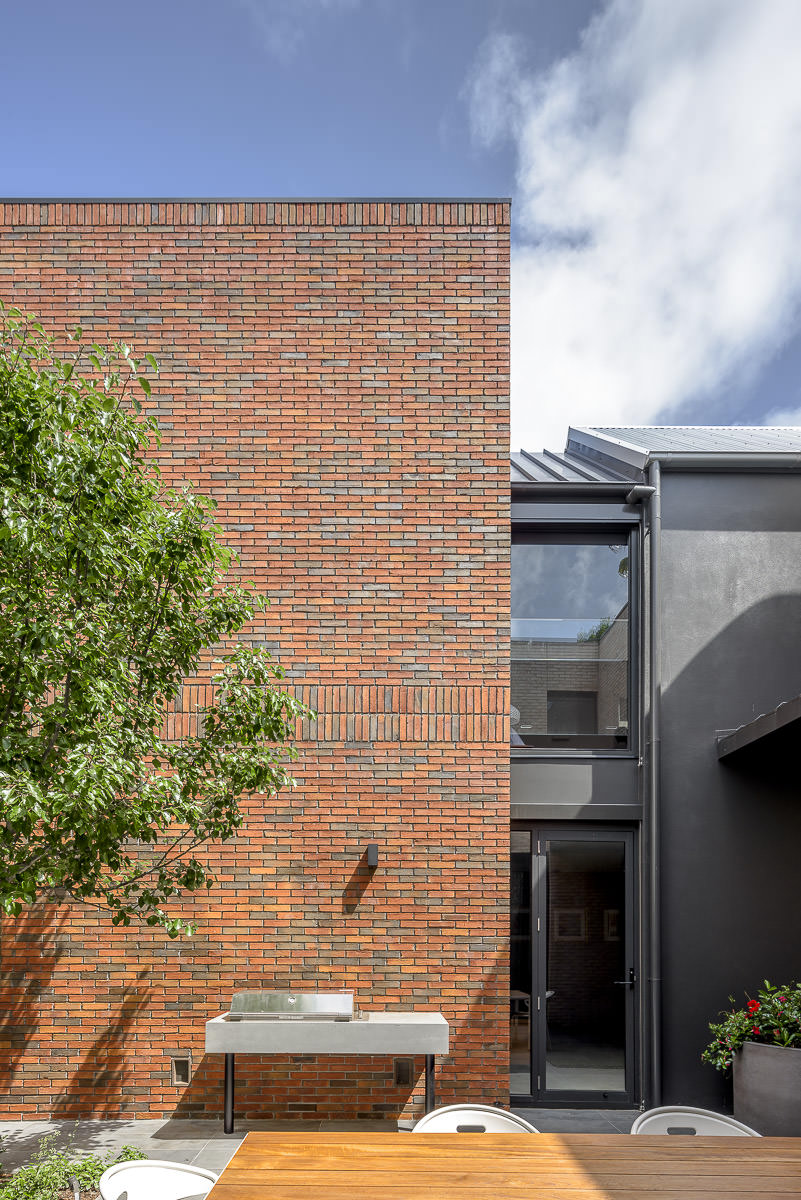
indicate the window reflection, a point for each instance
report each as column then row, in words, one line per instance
column 520, row 985
column 570, row 642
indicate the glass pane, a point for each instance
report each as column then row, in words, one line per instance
column 585, row 1030
column 572, row 712
column 520, row 966
column 570, row 639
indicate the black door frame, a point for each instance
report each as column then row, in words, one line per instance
column 576, row 831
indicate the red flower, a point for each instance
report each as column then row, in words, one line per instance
column 777, row 1032
column 752, row 1006
column 755, row 1029
column 780, row 998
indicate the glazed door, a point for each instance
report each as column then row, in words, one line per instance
column 574, row 985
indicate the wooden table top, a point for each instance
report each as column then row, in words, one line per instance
column 486, row 1166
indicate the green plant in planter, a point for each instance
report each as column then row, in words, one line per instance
column 51, row 1171
column 772, row 1019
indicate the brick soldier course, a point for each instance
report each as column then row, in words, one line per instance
column 335, row 374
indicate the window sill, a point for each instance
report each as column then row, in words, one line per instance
column 519, row 753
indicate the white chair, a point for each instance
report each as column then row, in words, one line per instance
column 154, row 1179
column 472, row 1118
column 691, row 1121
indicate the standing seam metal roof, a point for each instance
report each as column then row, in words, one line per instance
column 704, row 439
column 610, row 454
column 547, row 467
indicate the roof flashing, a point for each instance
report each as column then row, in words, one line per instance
column 622, row 454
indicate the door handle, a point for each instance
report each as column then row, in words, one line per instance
column 630, row 982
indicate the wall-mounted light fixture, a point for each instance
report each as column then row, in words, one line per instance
column 372, row 854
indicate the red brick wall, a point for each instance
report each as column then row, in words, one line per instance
column 336, row 376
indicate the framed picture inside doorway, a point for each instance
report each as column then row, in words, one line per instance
column 611, row 924
column 570, row 924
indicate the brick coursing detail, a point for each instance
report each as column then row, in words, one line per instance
column 335, row 375
column 376, row 713
column 57, row 214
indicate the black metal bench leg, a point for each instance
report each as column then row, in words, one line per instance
column 228, row 1095
column 429, row 1083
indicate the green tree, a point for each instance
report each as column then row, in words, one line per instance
column 595, row 632
column 112, row 592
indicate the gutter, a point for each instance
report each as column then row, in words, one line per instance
column 717, row 461
column 561, row 490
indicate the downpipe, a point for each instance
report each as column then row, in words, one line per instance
column 654, row 763
column 650, row 494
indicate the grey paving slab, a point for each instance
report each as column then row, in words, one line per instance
column 175, row 1151
column 21, row 1139
column 579, row 1120
column 624, row 1118
column 360, row 1126
column 175, row 1129
column 215, row 1156
column 205, row 1144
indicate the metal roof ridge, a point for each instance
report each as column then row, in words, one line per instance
column 565, row 461
column 596, row 431
column 517, row 467
column 756, row 427
column 614, row 476
column 533, row 458
column 625, row 454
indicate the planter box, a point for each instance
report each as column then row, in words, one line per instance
column 767, row 1089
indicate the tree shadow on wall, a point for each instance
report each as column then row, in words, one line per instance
column 98, row 1084
column 31, row 948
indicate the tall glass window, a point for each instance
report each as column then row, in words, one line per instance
column 520, row 982
column 570, row 641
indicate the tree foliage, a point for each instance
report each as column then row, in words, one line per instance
column 112, row 592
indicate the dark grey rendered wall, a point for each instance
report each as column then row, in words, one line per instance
column 731, row 834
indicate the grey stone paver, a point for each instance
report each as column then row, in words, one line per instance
column 205, row 1144
column 201, row 1142
column 580, row 1120
column 623, row 1119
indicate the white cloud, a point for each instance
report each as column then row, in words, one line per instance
column 284, row 24
column 783, row 416
column 659, row 205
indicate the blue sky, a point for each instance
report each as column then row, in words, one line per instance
column 652, row 152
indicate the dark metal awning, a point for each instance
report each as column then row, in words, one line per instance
column 771, row 731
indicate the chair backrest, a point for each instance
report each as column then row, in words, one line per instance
column 691, row 1121
column 155, row 1179
column 472, row 1118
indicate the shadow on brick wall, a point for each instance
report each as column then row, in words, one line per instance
column 206, row 1082
column 300, row 1087
column 357, row 885
column 31, row 948
column 102, row 1079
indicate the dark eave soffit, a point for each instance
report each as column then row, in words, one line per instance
column 764, row 731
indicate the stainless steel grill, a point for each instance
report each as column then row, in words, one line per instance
column 319, row 1023
column 291, row 1006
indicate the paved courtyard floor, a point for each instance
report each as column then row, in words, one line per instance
column 205, row 1144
